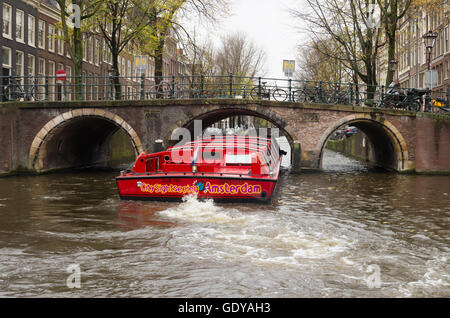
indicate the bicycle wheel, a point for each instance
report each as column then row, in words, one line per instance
column 298, row 96
column 256, row 94
column 163, row 89
column 279, row 95
column 33, row 94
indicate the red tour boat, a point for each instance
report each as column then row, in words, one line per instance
column 226, row 168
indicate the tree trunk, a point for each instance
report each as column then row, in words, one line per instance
column 78, row 63
column 159, row 52
column 116, row 75
column 391, row 57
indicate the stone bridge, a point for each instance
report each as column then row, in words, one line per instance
column 43, row 136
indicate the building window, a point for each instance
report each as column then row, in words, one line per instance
column 41, row 34
column 97, row 52
column 84, row 48
column 31, row 30
column 92, row 57
column 6, row 57
column 51, row 82
column 7, row 18
column 60, row 66
column 129, row 69
column 447, row 69
column 41, row 77
column 19, row 64
column 19, row 26
column 447, row 44
column 31, row 65
column 60, row 43
column 51, row 38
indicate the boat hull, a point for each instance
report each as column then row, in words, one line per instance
column 174, row 188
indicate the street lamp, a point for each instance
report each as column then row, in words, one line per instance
column 429, row 39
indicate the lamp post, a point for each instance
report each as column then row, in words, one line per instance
column 429, row 39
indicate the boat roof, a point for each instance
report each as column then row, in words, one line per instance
column 231, row 141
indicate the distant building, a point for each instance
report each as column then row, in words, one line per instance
column 411, row 54
column 18, row 41
column 32, row 45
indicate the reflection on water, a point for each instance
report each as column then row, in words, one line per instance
column 318, row 238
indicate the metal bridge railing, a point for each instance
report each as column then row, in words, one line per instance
column 51, row 88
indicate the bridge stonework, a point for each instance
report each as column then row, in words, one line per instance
column 39, row 136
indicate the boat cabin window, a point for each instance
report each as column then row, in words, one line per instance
column 211, row 154
column 152, row 164
column 238, row 159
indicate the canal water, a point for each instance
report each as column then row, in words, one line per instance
column 350, row 231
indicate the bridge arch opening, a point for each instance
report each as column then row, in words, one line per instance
column 378, row 143
column 84, row 138
column 245, row 121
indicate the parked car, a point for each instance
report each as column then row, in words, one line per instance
column 350, row 130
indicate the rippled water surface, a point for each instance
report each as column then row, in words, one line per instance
column 347, row 232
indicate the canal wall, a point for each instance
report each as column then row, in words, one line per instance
column 356, row 146
column 433, row 144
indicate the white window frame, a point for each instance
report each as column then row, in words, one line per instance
column 41, row 40
column 60, row 43
column 20, row 38
column 97, row 52
column 9, row 62
column 8, row 34
column 20, row 67
column 92, row 55
column 31, row 65
column 41, row 76
column 51, row 38
column 31, row 30
column 52, row 81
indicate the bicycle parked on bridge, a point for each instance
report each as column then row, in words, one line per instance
column 13, row 90
column 308, row 94
column 263, row 92
column 395, row 97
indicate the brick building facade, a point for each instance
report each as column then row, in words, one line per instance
column 31, row 45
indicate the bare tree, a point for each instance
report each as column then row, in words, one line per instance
column 72, row 34
column 162, row 17
column 239, row 56
column 120, row 22
column 350, row 25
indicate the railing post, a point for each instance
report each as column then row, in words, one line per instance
column 382, row 96
column 80, row 87
column 202, row 85
column 172, row 88
column 46, row 88
column 111, row 87
column 320, row 92
column 290, row 89
column 231, row 85
column 350, row 91
column 259, row 87
column 142, row 92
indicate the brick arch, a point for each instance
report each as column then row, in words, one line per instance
column 394, row 135
column 251, row 110
column 37, row 149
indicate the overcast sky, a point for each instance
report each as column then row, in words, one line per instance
column 269, row 24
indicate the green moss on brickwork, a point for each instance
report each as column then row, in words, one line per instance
column 120, row 149
column 346, row 146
